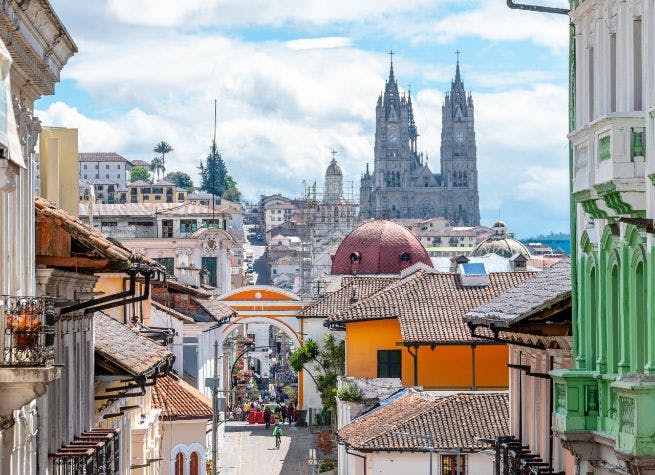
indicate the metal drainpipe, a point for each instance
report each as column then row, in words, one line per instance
column 473, row 382
column 521, row 398
column 132, row 272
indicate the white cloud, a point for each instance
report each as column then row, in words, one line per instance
column 319, row 43
column 491, row 20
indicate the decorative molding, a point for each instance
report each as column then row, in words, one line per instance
column 591, row 208
column 627, row 415
column 614, row 201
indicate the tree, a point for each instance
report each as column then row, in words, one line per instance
column 328, row 362
column 214, row 178
column 140, row 174
column 181, row 179
column 157, row 166
column 163, row 148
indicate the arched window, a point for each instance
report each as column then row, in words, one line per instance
column 397, row 178
column 179, row 464
column 640, row 333
column 405, row 257
column 194, row 464
column 591, row 319
column 612, row 328
column 355, row 257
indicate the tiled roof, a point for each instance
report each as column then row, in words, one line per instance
column 453, row 421
column 149, row 209
column 98, row 243
column 100, row 157
column 124, row 348
column 179, row 400
column 216, row 308
column 139, row 183
column 140, row 163
column 172, row 312
column 163, row 183
column 430, row 306
column 545, row 289
column 285, row 261
column 352, row 288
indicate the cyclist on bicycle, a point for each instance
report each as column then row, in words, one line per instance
column 277, row 432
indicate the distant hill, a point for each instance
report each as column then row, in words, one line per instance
column 554, row 240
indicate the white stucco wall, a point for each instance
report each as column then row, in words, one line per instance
column 395, row 463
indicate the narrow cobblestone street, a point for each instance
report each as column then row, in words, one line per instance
column 250, row 450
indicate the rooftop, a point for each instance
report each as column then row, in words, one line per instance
column 98, row 243
column 101, row 157
column 120, row 347
column 455, row 421
column 351, row 291
column 429, row 306
column 179, row 400
column 545, row 289
column 149, row 209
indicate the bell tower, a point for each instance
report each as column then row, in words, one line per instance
column 459, row 155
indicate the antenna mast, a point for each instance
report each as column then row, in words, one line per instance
column 214, row 171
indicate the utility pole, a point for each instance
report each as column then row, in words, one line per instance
column 215, row 412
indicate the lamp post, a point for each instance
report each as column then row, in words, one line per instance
column 430, row 439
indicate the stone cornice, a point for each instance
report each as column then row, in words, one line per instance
column 38, row 43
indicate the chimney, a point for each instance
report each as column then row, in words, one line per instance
column 455, row 261
column 59, row 168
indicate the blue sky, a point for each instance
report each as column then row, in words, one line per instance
column 295, row 78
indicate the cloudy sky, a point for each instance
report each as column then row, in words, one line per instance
column 295, row 78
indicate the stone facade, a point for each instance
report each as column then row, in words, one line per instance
column 402, row 184
column 603, row 407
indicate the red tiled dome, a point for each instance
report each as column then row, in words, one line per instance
column 378, row 247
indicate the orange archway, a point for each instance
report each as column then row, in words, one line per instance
column 271, row 305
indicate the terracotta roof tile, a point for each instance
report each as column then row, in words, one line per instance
column 352, row 288
column 545, row 289
column 216, row 308
column 430, row 306
column 100, row 157
column 179, row 400
column 97, row 242
column 121, row 346
column 454, row 421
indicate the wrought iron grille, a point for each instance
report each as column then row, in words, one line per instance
column 514, row 458
column 27, row 331
column 95, row 452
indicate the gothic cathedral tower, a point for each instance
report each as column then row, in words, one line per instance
column 458, row 156
column 401, row 184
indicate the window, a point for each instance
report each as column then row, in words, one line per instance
column 194, row 464
column 85, row 176
column 100, row 187
column 118, row 167
column 157, row 197
column 85, row 166
column 107, row 167
column 405, row 257
column 389, row 363
column 180, row 196
column 179, row 464
column 167, row 263
column 146, row 197
column 97, row 166
column 188, row 225
column 118, row 176
column 637, row 55
column 146, row 190
column 449, row 464
column 613, row 73
column 107, row 175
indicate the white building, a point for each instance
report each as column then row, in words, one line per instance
column 398, row 435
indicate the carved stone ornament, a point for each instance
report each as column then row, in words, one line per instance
column 28, row 128
column 8, row 174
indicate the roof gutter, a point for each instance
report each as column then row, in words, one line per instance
column 121, row 298
column 536, row 8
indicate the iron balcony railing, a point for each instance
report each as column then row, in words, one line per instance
column 27, row 331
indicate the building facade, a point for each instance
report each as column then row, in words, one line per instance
column 402, row 184
column 603, row 407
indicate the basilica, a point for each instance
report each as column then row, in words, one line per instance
column 401, row 184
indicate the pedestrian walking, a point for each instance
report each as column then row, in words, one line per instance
column 283, row 412
column 238, row 414
column 290, row 413
column 267, row 417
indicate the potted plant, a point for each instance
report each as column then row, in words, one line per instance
column 24, row 329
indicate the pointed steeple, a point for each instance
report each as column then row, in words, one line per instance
column 458, row 77
column 391, row 95
column 410, row 116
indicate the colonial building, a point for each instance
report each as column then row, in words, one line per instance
column 402, row 185
column 603, row 407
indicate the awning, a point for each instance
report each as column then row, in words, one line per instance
column 8, row 132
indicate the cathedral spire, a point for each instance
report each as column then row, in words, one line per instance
column 392, row 79
column 458, row 78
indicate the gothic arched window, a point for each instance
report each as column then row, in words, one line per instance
column 179, row 464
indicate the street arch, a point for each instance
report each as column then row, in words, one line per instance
column 269, row 305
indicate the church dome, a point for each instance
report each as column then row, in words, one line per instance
column 501, row 243
column 378, row 247
column 333, row 169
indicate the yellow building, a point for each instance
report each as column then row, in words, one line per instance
column 159, row 192
column 412, row 329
